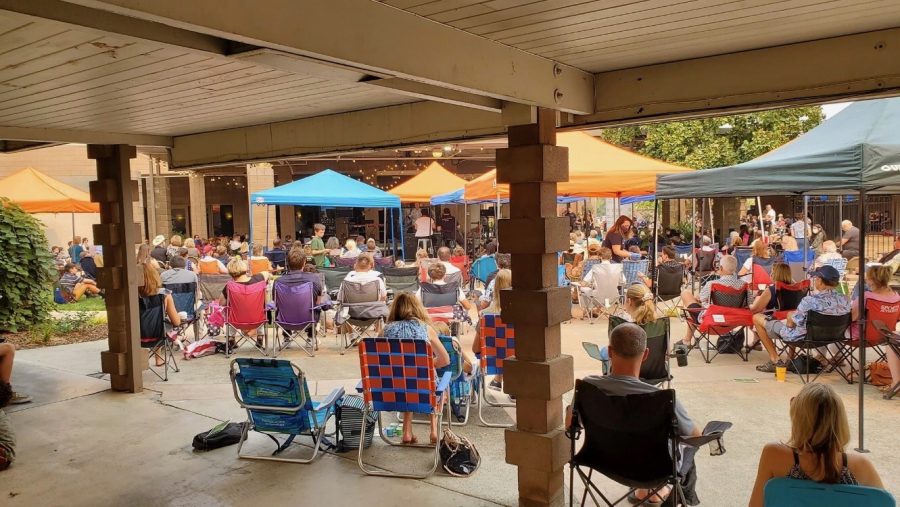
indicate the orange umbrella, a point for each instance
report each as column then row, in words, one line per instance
column 432, row 181
column 36, row 192
column 596, row 169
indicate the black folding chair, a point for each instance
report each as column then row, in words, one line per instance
column 669, row 281
column 153, row 334
column 824, row 332
column 655, row 369
column 632, row 440
column 400, row 280
column 334, row 277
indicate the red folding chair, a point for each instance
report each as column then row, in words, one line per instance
column 877, row 311
column 245, row 313
column 498, row 343
column 728, row 313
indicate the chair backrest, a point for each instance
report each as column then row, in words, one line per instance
column 669, row 278
column 628, row 437
column 838, row 264
column 274, row 392
column 606, row 279
column 655, row 369
column 456, row 278
column 682, row 250
column 334, row 276
column 152, row 312
column 246, row 304
column 397, row 374
column 209, row 267
column 439, row 295
column 345, row 262
column 742, row 253
column 588, row 265
column 498, row 343
column 483, row 267
column 453, row 347
column 724, row 295
column 631, row 268
column 401, row 279
column 185, row 297
column 761, row 269
column 211, row 286
column 461, row 262
column 257, row 266
column 706, row 261
column 876, row 310
column 822, row 328
column 788, row 296
column 799, row 493
column 359, row 292
column 294, row 304
column 797, row 256
column 277, row 257
column 383, row 262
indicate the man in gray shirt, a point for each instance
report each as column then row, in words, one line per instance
column 178, row 273
column 849, row 240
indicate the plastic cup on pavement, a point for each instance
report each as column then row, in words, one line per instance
column 780, row 372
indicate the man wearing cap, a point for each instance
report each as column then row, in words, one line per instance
column 159, row 251
column 823, row 300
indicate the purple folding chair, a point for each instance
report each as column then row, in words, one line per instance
column 295, row 317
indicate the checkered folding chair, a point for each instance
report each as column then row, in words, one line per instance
column 245, row 314
column 728, row 313
column 877, row 311
column 631, row 269
column 153, row 334
column 398, row 376
column 275, row 394
column 295, row 317
column 498, row 343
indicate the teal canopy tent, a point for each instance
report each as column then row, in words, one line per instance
column 331, row 189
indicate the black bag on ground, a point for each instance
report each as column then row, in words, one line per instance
column 803, row 364
column 224, row 434
column 348, row 417
column 459, row 457
column 730, row 343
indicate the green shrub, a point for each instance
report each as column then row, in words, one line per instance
column 26, row 269
column 70, row 322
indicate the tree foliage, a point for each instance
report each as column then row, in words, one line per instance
column 25, row 269
column 709, row 142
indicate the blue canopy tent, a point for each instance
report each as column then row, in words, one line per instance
column 331, row 189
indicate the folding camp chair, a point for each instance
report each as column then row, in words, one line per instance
column 669, row 282
column 498, row 343
column 892, row 339
column 704, row 266
column 683, row 251
column 456, row 278
column 384, row 262
column 632, row 440
column 211, row 286
column 295, row 317
column 433, row 295
column 345, row 262
column 761, row 271
column 276, row 396
column 655, row 369
column 398, row 376
column 153, row 334
column 462, row 263
column 333, row 279
column 826, row 334
column 245, row 314
column 841, row 266
column 482, row 269
column 278, row 258
column 185, row 297
column 788, row 297
column 728, row 314
column 603, row 292
column 798, row 493
column 362, row 312
column 631, row 269
column 742, row 253
column 399, row 280
column 877, row 311
column 462, row 385
column 798, row 264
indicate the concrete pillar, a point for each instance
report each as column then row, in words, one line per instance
column 539, row 374
column 198, row 205
column 162, row 205
column 138, row 208
column 286, row 217
column 117, row 233
column 261, row 177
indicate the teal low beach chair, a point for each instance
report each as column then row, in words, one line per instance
column 784, row 492
column 277, row 400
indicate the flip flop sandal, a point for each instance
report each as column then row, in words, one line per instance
column 635, row 500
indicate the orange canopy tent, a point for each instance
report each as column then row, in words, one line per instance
column 36, row 192
column 432, row 181
column 596, row 169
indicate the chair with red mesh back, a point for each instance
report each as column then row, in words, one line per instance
column 498, row 343
column 728, row 313
column 877, row 311
column 788, row 297
column 245, row 313
column 761, row 269
column 461, row 262
column 398, row 376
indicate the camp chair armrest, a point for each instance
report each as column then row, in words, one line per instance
column 268, row 408
column 714, row 430
column 336, row 394
column 443, row 384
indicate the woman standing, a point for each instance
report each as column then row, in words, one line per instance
column 616, row 237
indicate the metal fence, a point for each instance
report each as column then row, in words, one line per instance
column 881, row 211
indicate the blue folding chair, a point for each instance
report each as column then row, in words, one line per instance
column 398, row 376
column 482, row 268
column 785, row 492
column 795, row 260
column 277, row 400
column 631, row 269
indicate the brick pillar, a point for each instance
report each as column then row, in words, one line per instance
column 286, row 217
column 198, row 205
column 162, row 202
column 261, row 177
column 117, row 233
column 539, row 375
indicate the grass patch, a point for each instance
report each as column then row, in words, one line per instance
column 85, row 304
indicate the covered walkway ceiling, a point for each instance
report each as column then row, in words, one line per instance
column 257, row 80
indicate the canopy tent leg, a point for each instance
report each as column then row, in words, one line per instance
column 840, row 211
column 465, row 244
column 807, row 231
column 655, row 247
column 266, row 239
column 712, row 225
column 73, row 225
column 250, row 234
column 762, row 226
column 693, row 237
column 402, row 239
column 861, row 322
column 384, row 213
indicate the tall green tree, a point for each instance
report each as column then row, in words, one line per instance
column 25, row 269
column 719, row 141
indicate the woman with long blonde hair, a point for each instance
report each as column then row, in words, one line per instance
column 639, row 304
column 815, row 451
column 408, row 319
column 760, row 250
